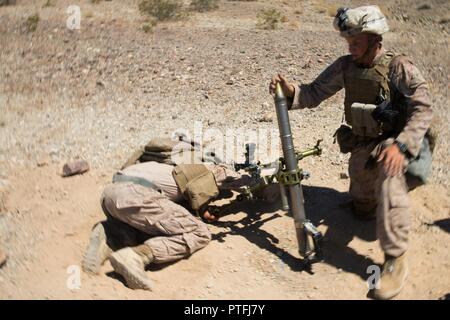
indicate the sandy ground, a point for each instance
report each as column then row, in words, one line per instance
column 101, row 92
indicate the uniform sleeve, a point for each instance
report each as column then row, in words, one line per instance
column 330, row 81
column 408, row 80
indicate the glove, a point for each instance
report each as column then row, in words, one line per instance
column 385, row 113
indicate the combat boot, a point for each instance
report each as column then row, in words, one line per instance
column 97, row 251
column 3, row 257
column 364, row 215
column 130, row 263
column 362, row 211
column 393, row 276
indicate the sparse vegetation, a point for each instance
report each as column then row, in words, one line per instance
column 330, row 7
column 7, row 2
column 332, row 10
column 32, row 22
column 204, row 5
column 294, row 25
column 327, row 7
column 49, row 3
column 161, row 9
column 148, row 27
column 103, row 91
column 269, row 19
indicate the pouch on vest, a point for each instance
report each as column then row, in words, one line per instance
column 196, row 183
column 433, row 134
column 420, row 166
column 345, row 138
column 366, row 85
column 363, row 124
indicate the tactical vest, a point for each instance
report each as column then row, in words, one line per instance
column 197, row 184
column 366, row 85
column 371, row 86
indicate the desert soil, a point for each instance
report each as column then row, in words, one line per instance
column 100, row 92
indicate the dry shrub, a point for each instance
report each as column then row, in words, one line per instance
column 204, row 5
column 269, row 19
column 161, row 9
column 32, row 22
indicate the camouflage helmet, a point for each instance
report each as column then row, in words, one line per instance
column 368, row 19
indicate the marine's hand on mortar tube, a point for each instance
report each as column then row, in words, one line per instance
column 393, row 160
column 288, row 89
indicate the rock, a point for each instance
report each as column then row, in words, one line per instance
column 307, row 64
column 343, row 175
column 75, row 167
column 266, row 118
column 42, row 162
column 230, row 82
column 424, row 6
column 444, row 20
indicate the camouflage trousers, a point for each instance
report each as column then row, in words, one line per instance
column 173, row 232
column 372, row 189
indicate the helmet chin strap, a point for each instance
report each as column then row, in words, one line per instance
column 373, row 44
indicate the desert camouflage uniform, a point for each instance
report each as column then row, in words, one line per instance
column 372, row 188
column 173, row 232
